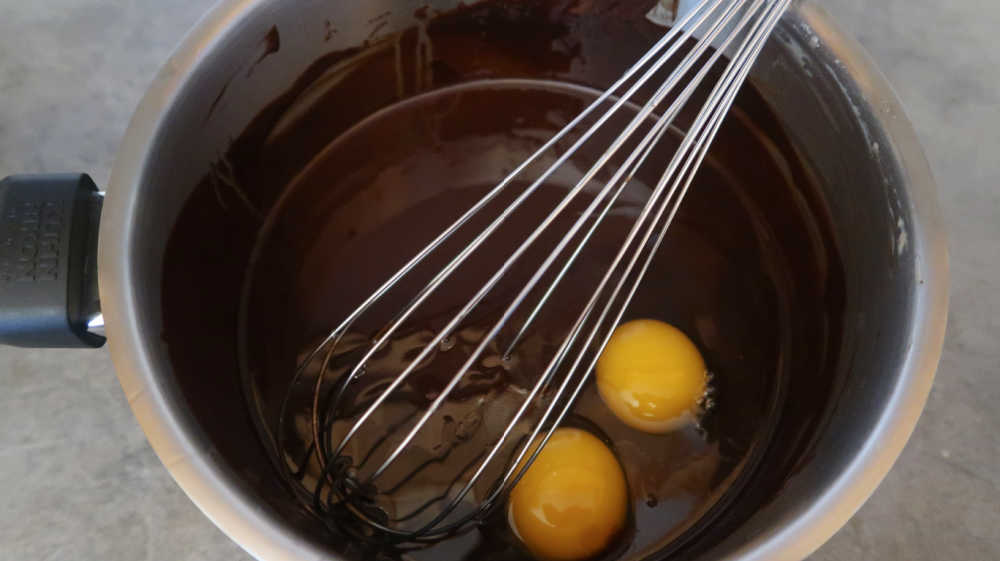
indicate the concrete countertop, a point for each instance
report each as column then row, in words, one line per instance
column 78, row 481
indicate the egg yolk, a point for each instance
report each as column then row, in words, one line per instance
column 571, row 502
column 651, row 376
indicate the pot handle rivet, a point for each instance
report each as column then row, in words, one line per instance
column 48, row 260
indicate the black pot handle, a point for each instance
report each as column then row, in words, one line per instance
column 48, row 261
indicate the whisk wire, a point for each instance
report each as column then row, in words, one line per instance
column 604, row 158
column 333, row 486
column 682, row 152
column 330, row 342
column 638, row 157
column 681, row 28
column 645, row 147
column 740, row 67
column 453, row 265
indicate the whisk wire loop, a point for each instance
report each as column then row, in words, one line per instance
column 709, row 31
column 637, row 157
column 722, row 99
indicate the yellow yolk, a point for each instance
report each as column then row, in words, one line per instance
column 651, row 376
column 571, row 502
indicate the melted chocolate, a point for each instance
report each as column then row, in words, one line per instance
column 323, row 210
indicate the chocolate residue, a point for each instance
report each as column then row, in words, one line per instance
column 378, row 27
column 271, row 43
column 218, row 98
column 381, row 17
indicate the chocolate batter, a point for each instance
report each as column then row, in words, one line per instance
column 337, row 183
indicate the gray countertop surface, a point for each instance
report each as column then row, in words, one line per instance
column 78, row 480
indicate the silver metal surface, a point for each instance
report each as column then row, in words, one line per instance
column 95, row 324
column 158, row 166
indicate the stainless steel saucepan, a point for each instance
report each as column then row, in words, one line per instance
column 876, row 182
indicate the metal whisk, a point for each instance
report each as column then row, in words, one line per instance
column 348, row 491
